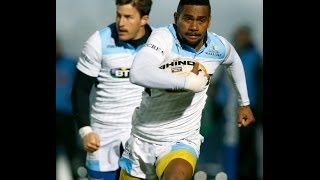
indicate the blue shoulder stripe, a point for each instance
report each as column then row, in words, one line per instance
column 215, row 48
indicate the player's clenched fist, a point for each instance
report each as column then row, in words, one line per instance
column 245, row 116
column 91, row 142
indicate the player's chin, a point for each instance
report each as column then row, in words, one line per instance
column 124, row 37
column 193, row 41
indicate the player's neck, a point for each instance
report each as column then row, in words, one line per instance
column 138, row 41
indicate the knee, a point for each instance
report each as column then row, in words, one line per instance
column 178, row 169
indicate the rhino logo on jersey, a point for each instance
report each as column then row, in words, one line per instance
column 176, row 64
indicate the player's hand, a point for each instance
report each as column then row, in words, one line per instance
column 199, row 67
column 195, row 68
column 194, row 81
column 245, row 116
column 91, row 142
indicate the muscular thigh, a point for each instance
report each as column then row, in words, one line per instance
column 180, row 157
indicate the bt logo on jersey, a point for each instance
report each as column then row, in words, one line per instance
column 122, row 72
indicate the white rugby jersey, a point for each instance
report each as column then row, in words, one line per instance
column 108, row 59
column 165, row 116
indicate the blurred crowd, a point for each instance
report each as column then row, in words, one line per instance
column 227, row 148
column 68, row 143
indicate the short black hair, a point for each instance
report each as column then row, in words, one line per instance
column 193, row 2
column 143, row 6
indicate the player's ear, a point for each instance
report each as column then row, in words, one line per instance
column 144, row 20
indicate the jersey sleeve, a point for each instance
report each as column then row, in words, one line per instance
column 145, row 68
column 80, row 98
column 90, row 59
column 235, row 71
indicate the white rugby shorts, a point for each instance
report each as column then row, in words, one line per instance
column 148, row 161
column 107, row 156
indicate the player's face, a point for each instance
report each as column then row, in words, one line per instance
column 192, row 24
column 130, row 25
